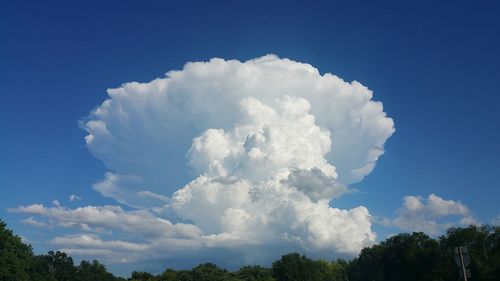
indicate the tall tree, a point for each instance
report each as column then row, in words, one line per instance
column 15, row 256
column 40, row 269
column 411, row 257
column 328, row 271
column 293, row 267
column 483, row 243
column 94, row 271
column 61, row 266
column 211, row 272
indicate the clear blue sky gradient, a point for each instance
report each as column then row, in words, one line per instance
column 435, row 65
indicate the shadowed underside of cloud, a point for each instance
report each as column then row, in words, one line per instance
column 269, row 143
column 118, row 235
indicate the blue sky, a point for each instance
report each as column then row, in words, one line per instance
column 434, row 66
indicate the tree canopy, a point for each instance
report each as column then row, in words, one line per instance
column 418, row 257
column 15, row 256
column 18, row 263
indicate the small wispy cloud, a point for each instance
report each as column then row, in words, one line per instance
column 431, row 215
column 33, row 222
column 74, row 197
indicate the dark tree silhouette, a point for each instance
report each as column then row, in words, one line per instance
column 15, row 256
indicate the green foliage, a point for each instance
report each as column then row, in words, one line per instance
column 61, row 266
column 294, row 267
column 15, row 256
column 401, row 257
column 169, row 275
column 254, row 273
column 418, row 257
column 211, row 272
column 40, row 269
column 179, row 275
column 17, row 263
column 143, row 276
column 93, row 272
column 325, row 270
column 483, row 244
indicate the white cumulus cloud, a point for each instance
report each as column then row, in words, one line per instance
column 143, row 130
column 268, row 143
column 432, row 215
column 267, row 177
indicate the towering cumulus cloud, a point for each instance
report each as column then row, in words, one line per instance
column 268, row 144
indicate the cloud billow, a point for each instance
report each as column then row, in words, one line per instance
column 269, row 143
column 432, row 215
column 143, row 127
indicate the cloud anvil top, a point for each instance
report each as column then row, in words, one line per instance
column 269, row 141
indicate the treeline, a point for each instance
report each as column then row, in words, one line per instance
column 402, row 257
column 18, row 263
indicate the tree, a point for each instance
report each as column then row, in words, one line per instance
column 143, row 276
column 15, row 256
column 61, row 266
column 331, row 271
column 483, row 243
column 293, row 267
column 40, row 269
column 401, row 257
column 93, row 272
column 343, row 268
column 179, row 275
column 169, row 275
column 254, row 273
column 17, row 263
column 211, row 272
